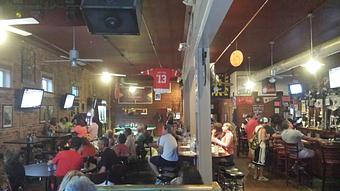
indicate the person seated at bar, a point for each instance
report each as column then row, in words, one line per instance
column 107, row 157
column 291, row 135
column 68, row 160
column 130, row 142
column 110, row 136
column 76, row 181
column 227, row 141
column 87, row 149
column 80, row 129
column 260, row 152
column 167, row 147
column 93, row 128
column 14, row 169
column 121, row 149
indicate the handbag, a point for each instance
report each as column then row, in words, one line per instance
column 255, row 143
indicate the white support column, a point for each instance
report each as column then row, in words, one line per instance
column 203, row 115
column 186, row 103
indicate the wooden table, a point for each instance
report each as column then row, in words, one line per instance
column 29, row 145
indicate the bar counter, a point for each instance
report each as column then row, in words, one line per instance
column 321, row 132
column 317, row 159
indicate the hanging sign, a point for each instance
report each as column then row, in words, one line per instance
column 221, row 86
column 161, row 78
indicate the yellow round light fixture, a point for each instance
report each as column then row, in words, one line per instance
column 236, row 58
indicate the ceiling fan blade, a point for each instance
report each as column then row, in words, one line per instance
column 118, row 75
column 80, row 63
column 16, row 31
column 65, row 57
column 21, row 21
column 52, row 61
column 89, row 60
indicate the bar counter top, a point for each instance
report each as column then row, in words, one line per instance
column 323, row 133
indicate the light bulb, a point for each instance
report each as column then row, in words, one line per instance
column 106, row 77
column 249, row 85
column 132, row 89
column 3, row 36
column 312, row 65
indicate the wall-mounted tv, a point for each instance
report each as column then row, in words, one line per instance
column 334, row 77
column 68, row 102
column 295, row 88
column 31, row 98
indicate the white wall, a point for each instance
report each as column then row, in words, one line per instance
column 239, row 77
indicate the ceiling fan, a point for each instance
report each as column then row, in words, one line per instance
column 273, row 70
column 74, row 55
column 7, row 25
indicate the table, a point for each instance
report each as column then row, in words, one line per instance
column 28, row 144
column 39, row 170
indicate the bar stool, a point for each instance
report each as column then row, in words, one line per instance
column 231, row 179
column 242, row 146
column 298, row 164
column 279, row 154
column 330, row 160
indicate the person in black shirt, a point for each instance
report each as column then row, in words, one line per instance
column 107, row 156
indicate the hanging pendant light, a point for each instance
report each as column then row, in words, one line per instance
column 236, row 57
column 249, row 85
column 312, row 65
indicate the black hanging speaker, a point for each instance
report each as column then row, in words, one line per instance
column 112, row 17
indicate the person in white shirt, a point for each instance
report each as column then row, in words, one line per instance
column 167, row 147
column 93, row 128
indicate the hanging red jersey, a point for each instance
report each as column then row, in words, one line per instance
column 161, row 77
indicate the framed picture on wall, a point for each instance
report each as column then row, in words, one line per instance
column 43, row 114
column 157, row 96
column 7, row 116
column 28, row 66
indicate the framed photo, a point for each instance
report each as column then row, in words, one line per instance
column 157, row 96
column 50, row 110
column 28, row 66
column 7, row 116
column 43, row 114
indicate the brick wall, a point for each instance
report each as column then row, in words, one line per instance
column 63, row 77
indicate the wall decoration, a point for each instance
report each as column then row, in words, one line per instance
column 28, row 66
column 221, row 86
column 7, row 116
column 268, row 88
column 50, row 110
column 157, row 96
column 161, row 78
column 43, row 114
column 142, row 95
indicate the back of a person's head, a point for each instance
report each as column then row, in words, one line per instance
column 76, row 181
column 95, row 119
column 121, row 139
column 168, row 128
column 128, row 131
column 76, row 143
column 285, row 124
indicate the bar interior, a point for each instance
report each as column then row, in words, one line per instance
column 169, row 95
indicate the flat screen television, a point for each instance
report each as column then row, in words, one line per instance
column 334, row 77
column 295, row 88
column 69, row 99
column 31, row 98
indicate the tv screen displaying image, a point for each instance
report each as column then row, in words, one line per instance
column 295, row 88
column 31, row 98
column 334, row 77
column 69, row 98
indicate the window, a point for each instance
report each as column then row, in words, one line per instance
column 75, row 90
column 5, row 78
column 47, row 84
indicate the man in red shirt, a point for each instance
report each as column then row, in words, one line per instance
column 250, row 127
column 68, row 160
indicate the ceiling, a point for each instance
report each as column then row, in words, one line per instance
column 283, row 21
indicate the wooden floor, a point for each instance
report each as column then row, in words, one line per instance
column 276, row 182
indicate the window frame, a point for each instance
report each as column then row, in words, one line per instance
column 48, row 78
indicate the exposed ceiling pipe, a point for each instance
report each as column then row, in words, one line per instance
column 325, row 49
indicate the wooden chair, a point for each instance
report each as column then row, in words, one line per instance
column 298, row 164
column 279, row 155
column 330, row 160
